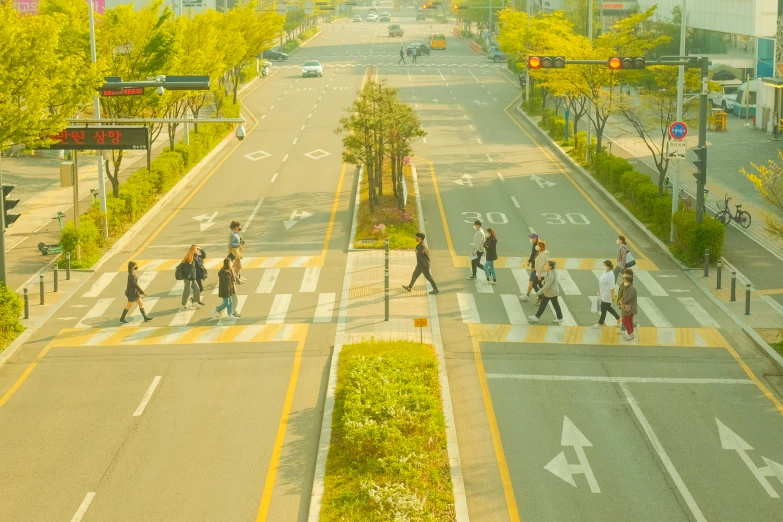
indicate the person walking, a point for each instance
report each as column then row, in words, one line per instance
column 628, row 307
column 422, row 265
column 225, row 289
column 540, row 267
column 531, row 263
column 201, row 270
column 413, row 54
column 620, row 292
column 236, row 248
column 490, row 246
column 478, row 248
column 622, row 252
column 234, row 298
column 549, row 293
column 189, row 277
column 402, row 56
column 134, row 292
column 606, row 293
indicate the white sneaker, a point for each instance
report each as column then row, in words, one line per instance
column 242, row 280
column 237, row 314
column 558, row 320
column 524, row 297
column 186, row 307
column 630, row 337
column 214, row 314
column 533, row 318
column 493, row 282
column 197, row 305
column 596, row 325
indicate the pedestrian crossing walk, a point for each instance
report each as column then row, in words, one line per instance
column 541, row 334
column 563, row 263
column 170, row 335
column 215, row 263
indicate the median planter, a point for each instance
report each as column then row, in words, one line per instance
column 387, row 457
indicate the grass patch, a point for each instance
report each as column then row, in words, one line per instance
column 388, row 458
column 399, row 226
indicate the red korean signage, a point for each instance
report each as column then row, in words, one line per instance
column 123, row 91
column 30, row 7
column 101, row 138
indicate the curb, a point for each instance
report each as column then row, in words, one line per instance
column 351, row 245
column 761, row 343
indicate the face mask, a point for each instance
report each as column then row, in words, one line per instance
column 531, row 241
column 618, row 241
column 476, row 227
column 627, row 283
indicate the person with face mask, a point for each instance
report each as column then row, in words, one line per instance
column 622, row 255
column 606, row 293
column 479, row 237
column 531, row 263
column 549, row 292
column 491, row 247
column 134, row 292
column 540, row 267
column 628, row 307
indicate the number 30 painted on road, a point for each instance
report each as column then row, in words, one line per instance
column 496, row 218
column 556, row 219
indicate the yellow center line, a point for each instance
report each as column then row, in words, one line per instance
column 277, row 450
column 25, row 374
column 768, row 394
column 505, row 476
column 333, row 216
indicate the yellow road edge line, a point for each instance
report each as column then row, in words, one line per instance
column 561, row 168
column 333, row 217
column 277, row 450
column 505, row 476
column 25, row 374
column 450, row 245
column 768, row 394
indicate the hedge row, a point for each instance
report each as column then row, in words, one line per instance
column 139, row 193
column 11, row 306
column 294, row 43
column 554, row 124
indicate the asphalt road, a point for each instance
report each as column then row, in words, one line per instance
column 186, row 419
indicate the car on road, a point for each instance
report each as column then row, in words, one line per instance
column 395, row 30
column 384, row 18
column 437, row 41
column 271, row 54
column 312, row 68
column 372, row 17
column 420, row 16
column 357, row 18
column 420, row 49
column 496, row 55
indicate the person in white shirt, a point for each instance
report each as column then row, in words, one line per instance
column 479, row 237
column 606, row 292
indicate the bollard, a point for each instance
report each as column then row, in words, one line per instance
column 706, row 262
column 386, row 279
column 41, row 286
column 747, row 299
column 26, row 305
column 67, row 266
column 720, row 266
column 733, row 286
column 56, row 274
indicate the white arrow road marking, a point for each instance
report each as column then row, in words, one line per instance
column 477, row 102
column 542, row 182
column 296, row 216
column 206, row 220
column 733, row 442
column 466, row 179
column 559, row 465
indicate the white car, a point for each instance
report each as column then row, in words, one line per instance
column 372, row 17
column 313, row 68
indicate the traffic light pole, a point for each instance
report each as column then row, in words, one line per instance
column 701, row 181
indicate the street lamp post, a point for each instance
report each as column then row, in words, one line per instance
column 589, row 136
column 96, row 103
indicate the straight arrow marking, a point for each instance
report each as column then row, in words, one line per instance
column 542, row 182
column 733, row 442
column 559, row 465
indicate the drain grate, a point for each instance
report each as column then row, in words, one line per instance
column 366, row 242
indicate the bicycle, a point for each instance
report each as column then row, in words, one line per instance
column 742, row 217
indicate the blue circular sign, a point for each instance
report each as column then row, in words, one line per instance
column 678, row 130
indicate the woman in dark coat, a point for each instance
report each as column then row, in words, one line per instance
column 225, row 289
column 201, row 270
column 134, row 292
column 190, row 279
column 491, row 248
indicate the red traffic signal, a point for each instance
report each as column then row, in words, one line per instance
column 545, row 62
column 620, row 62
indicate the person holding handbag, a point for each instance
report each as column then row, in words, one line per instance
column 542, row 260
column 606, row 294
column 628, row 306
column 236, row 248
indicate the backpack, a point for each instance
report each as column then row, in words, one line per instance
column 179, row 273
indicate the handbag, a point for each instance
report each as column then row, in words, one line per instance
column 629, row 260
column 595, row 306
column 625, row 307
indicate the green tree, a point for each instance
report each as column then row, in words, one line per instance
column 768, row 180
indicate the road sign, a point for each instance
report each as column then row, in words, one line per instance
column 678, row 130
column 420, row 322
column 559, row 465
column 677, row 150
column 101, row 138
column 466, row 179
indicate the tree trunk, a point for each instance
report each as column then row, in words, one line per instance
column 172, row 128
column 379, row 169
column 400, row 192
column 370, row 184
column 393, row 163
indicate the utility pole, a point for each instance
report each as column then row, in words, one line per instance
column 701, row 182
column 680, row 87
column 96, row 103
column 527, row 70
column 589, row 136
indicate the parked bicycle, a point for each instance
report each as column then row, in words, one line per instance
column 742, row 217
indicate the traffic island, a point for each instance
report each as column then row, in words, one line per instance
column 388, row 457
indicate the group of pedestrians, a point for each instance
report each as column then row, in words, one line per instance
column 192, row 272
column 414, row 52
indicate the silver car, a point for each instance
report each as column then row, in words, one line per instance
column 313, row 68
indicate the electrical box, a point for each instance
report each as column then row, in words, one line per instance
column 66, row 174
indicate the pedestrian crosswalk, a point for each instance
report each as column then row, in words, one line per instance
column 162, row 265
column 563, row 263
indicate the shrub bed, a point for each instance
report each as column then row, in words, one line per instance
column 400, row 226
column 294, row 43
column 11, row 306
column 388, row 458
column 692, row 239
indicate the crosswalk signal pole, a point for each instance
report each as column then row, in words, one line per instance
column 701, row 181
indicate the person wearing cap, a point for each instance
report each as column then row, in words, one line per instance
column 531, row 263
column 236, row 247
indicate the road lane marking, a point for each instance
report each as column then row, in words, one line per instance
column 147, row 396
column 441, row 76
column 653, row 313
column 310, row 279
column 698, row 313
column 567, row 283
column 650, row 283
column 468, row 309
column 177, row 289
column 474, row 76
column 497, row 444
column 263, row 116
column 274, row 178
column 303, row 127
column 98, row 309
column 268, row 280
column 333, row 216
column 272, row 107
column 145, row 279
column 315, row 106
column 295, row 140
column 656, row 444
column 100, row 284
column 325, row 308
column 279, row 309
column 516, row 315
column 424, row 138
column 522, row 278
column 479, row 141
column 285, row 158
column 501, row 176
column 182, row 317
column 516, row 203
column 445, row 223
column 77, row 517
column 252, row 216
column 489, row 157
column 613, row 379
column 149, row 304
column 769, row 395
column 309, row 115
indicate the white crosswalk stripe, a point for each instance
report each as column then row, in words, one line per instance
column 134, row 317
column 698, row 313
column 97, row 311
column 325, row 308
column 512, row 262
column 145, row 280
column 650, row 283
column 310, row 279
column 268, row 280
column 182, row 317
column 100, row 285
column 482, row 286
column 566, row 283
column 522, row 278
column 468, row 309
column 229, row 320
column 653, row 313
column 279, row 309
column 516, row 315
column 177, row 289
column 568, row 319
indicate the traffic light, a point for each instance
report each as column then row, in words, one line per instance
column 458, row 6
column 8, row 204
column 701, row 165
column 619, row 62
column 545, row 62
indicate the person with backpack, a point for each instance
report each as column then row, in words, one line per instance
column 225, row 289
column 186, row 272
column 491, row 248
column 624, row 258
column 540, row 267
column 548, row 293
column 201, row 270
column 236, row 248
column 134, row 292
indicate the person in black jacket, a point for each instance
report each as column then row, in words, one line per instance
column 201, row 270
column 134, row 292
column 531, row 262
column 422, row 265
column 225, row 289
column 491, row 248
column 190, row 278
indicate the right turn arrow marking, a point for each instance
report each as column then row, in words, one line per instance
column 559, row 465
column 733, row 442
